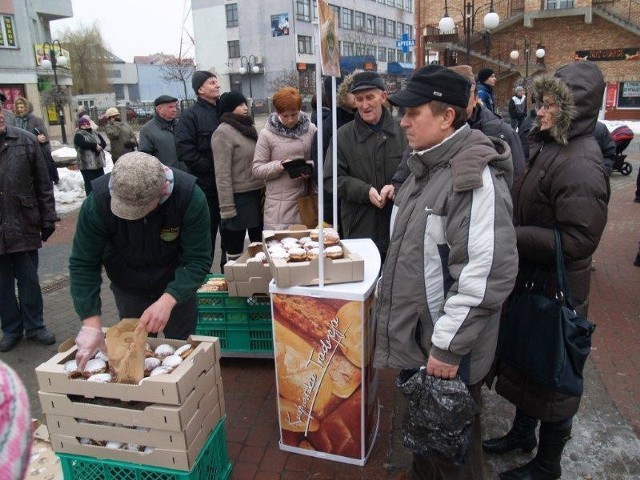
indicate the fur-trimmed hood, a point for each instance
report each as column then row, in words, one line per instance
column 578, row 89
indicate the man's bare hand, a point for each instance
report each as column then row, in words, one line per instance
column 375, row 198
column 439, row 369
column 388, row 193
column 156, row 316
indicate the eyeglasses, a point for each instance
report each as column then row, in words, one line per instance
column 546, row 106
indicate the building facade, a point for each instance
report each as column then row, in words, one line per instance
column 278, row 38
column 24, row 29
column 603, row 31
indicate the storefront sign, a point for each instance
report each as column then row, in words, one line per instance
column 608, row 55
column 612, row 93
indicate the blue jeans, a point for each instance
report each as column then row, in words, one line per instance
column 23, row 313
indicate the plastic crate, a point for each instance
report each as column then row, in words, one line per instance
column 212, row 464
column 254, row 337
column 219, row 300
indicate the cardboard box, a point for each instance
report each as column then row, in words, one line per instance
column 246, row 279
column 171, row 418
column 173, row 388
column 159, row 457
column 350, row 268
column 206, row 416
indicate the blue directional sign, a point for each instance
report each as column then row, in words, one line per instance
column 405, row 43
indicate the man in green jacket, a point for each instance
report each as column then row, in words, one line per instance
column 369, row 152
column 148, row 225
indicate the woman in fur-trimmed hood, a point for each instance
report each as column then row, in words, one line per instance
column 564, row 186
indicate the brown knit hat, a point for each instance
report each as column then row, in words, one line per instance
column 137, row 181
column 286, row 99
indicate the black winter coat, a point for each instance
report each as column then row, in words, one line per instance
column 193, row 143
column 564, row 186
column 26, row 195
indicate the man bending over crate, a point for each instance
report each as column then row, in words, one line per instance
column 148, row 224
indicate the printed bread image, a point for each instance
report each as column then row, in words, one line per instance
column 299, row 380
column 339, row 433
column 318, row 351
column 307, row 316
column 350, row 322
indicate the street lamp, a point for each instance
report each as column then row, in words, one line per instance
column 515, row 54
column 56, row 59
column 248, row 65
column 447, row 24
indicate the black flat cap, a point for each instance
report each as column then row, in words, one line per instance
column 366, row 81
column 164, row 99
column 3, row 97
column 433, row 82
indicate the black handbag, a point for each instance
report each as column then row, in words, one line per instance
column 545, row 338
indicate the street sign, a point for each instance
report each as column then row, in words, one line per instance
column 405, row 43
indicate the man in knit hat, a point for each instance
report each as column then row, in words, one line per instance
column 486, row 82
column 369, row 150
column 193, row 144
column 452, row 233
column 148, row 225
column 121, row 137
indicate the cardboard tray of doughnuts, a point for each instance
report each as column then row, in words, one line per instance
column 159, row 457
column 172, row 388
column 205, row 417
column 245, row 279
column 157, row 416
column 349, row 268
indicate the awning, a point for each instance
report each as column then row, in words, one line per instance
column 400, row 68
column 358, row 62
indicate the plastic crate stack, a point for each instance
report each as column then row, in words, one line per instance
column 168, row 427
column 243, row 324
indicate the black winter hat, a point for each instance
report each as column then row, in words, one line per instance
column 484, row 74
column 433, row 82
column 228, row 102
column 198, row 78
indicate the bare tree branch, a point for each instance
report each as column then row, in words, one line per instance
column 178, row 70
column 89, row 58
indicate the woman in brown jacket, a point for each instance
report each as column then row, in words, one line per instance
column 564, row 186
column 287, row 135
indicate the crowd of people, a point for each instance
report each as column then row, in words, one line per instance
column 461, row 210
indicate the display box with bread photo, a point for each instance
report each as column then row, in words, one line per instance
column 326, row 399
column 294, row 257
column 250, row 274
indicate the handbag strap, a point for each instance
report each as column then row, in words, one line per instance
column 564, row 293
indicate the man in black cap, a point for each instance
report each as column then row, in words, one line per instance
column 369, row 151
column 157, row 136
column 193, row 144
column 452, row 259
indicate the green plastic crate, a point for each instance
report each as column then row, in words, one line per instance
column 212, row 464
column 219, row 300
column 248, row 338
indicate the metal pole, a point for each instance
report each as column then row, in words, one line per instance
column 59, row 107
column 468, row 13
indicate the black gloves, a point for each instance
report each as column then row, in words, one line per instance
column 46, row 232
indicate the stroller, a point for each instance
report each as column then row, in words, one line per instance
column 622, row 137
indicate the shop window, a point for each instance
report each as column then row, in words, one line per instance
column 629, row 95
column 7, row 32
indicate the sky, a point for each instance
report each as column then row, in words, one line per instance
column 135, row 27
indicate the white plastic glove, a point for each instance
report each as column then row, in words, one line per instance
column 89, row 341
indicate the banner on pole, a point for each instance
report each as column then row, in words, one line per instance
column 329, row 41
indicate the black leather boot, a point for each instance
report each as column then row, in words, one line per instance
column 521, row 436
column 546, row 464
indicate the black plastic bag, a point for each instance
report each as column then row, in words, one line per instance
column 439, row 415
